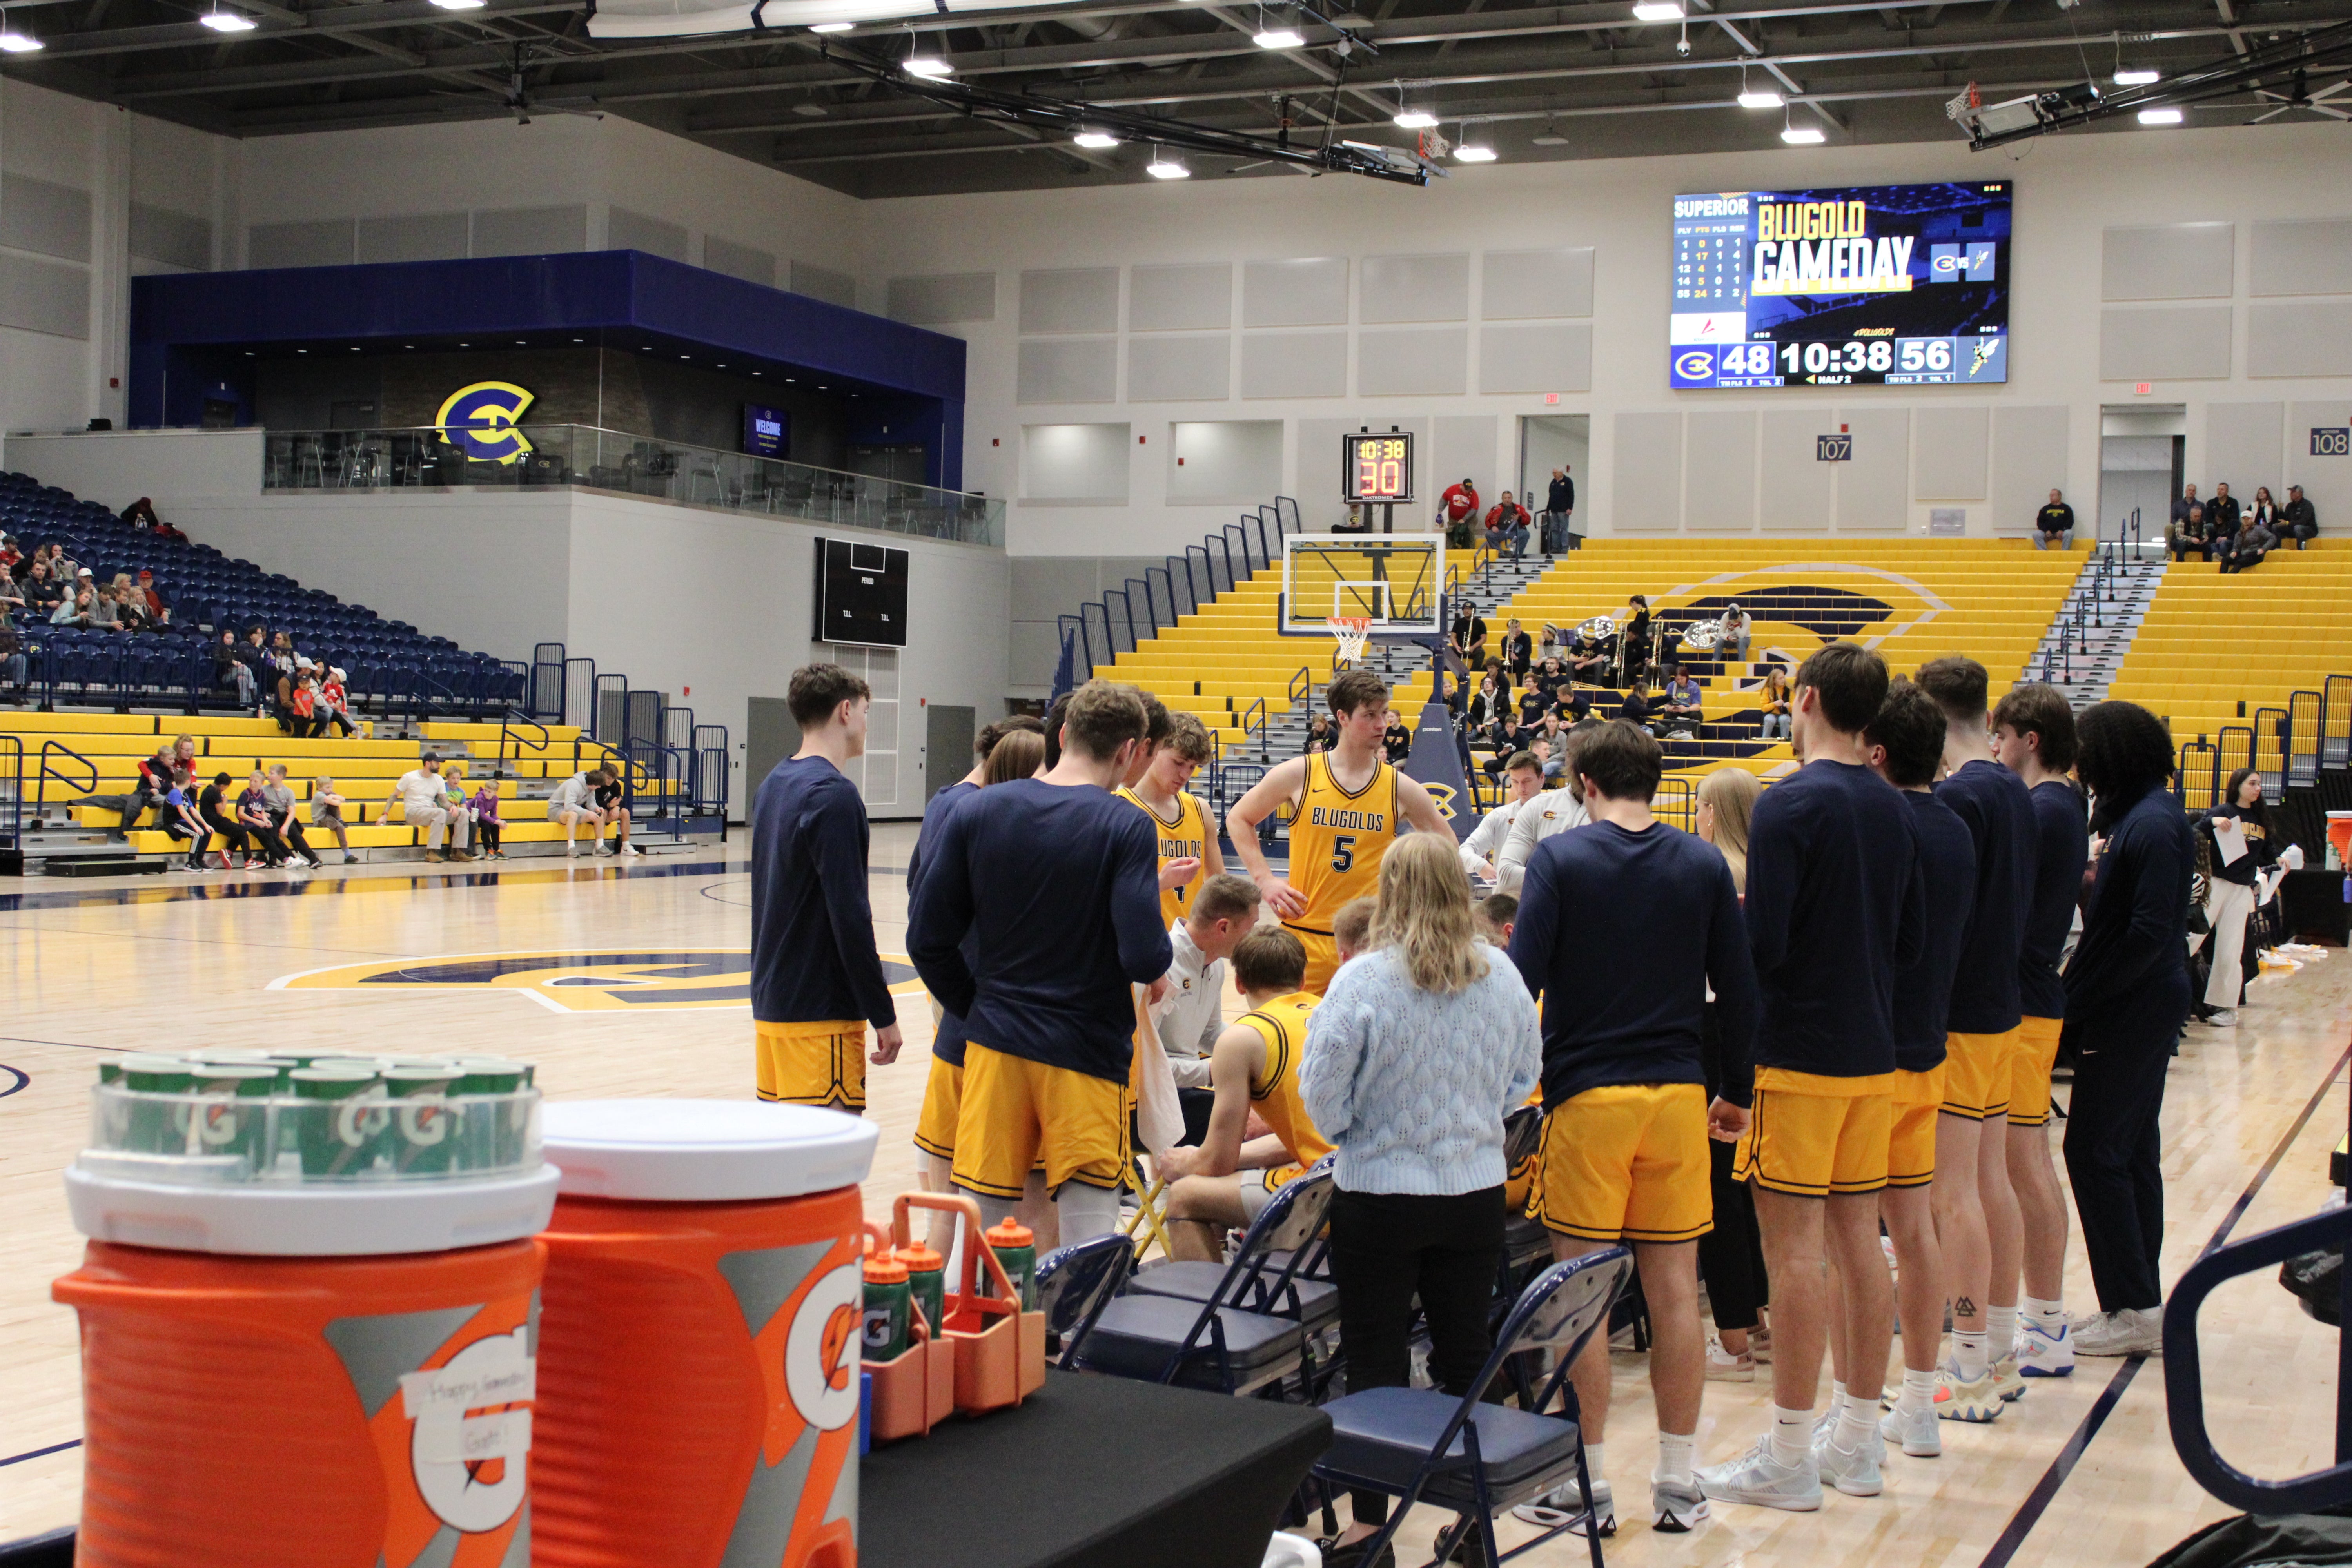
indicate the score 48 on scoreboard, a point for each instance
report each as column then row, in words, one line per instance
column 1895, row 285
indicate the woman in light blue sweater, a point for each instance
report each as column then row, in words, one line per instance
column 1419, row 1049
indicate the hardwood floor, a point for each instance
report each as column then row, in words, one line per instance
column 181, row 962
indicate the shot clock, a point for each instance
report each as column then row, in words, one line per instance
column 1886, row 285
column 1376, row 469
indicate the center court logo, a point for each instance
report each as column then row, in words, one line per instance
column 576, row 982
column 481, row 421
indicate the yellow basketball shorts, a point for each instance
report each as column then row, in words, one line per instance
column 1322, row 956
column 1977, row 1069
column 2029, row 1070
column 813, row 1064
column 935, row 1129
column 1911, row 1143
column 1014, row 1110
column 1625, row 1162
column 1811, row 1135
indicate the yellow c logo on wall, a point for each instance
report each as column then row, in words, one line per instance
column 1442, row 796
column 576, row 982
column 479, row 421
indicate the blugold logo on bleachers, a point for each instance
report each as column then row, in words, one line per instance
column 576, row 982
column 481, row 421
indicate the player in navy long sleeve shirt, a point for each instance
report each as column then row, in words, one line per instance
column 1059, row 878
column 816, row 979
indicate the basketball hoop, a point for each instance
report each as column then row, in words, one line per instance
column 1351, row 631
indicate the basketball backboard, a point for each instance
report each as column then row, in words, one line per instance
column 1397, row 581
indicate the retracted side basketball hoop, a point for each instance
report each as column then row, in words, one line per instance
column 1350, row 632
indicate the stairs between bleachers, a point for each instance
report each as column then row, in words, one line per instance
column 2088, row 639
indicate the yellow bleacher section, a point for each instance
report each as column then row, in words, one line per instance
column 1990, row 599
column 2211, row 642
column 1219, row 661
column 364, row 769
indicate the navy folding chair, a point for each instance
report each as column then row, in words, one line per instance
column 1274, row 1282
column 1423, row 1445
column 1076, row 1283
column 1215, row 1343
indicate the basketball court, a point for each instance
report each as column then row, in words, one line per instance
column 557, row 964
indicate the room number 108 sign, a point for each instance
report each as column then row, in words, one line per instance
column 1376, row 468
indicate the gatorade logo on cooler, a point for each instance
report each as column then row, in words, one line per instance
column 821, row 1350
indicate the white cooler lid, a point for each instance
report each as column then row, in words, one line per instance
column 704, row 1150
column 317, row 1219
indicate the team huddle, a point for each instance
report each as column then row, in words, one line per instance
column 1873, row 990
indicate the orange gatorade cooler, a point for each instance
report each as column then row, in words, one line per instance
column 296, row 1373
column 699, row 1338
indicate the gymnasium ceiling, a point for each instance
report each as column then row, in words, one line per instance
column 1565, row 82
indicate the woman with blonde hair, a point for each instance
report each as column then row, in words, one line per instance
column 1731, row 1256
column 1772, row 696
column 1421, row 1046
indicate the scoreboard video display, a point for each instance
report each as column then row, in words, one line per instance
column 1889, row 285
column 1376, row 468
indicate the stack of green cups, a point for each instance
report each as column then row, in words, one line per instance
column 237, row 1122
column 495, row 1128
column 155, row 1127
column 340, row 1136
column 421, row 1138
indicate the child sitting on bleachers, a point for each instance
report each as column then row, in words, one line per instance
column 327, row 812
column 488, row 822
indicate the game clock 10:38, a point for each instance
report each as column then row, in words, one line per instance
column 1376, row 469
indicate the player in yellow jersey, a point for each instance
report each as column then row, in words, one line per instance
column 1255, row 1068
column 1347, row 807
column 1180, row 820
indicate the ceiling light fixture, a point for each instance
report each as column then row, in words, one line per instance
column 1166, row 166
column 1550, row 137
column 461, row 5
column 921, row 62
column 221, row 21
column 1277, row 34
column 831, row 26
column 2138, row 76
column 1658, row 10
column 16, row 43
column 1408, row 118
column 1094, row 136
column 2161, row 116
column 1469, row 151
column 1765, row 97
column 1797, row 135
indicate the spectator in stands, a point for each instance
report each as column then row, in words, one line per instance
column 279, row 796
column 1533, row 702
column 130, row 610
column 573, row 804
column 12, row 639
column 327, row 812
column 1419, row 1050
column 1508, row 738
column 141, row 514
column 1549, row 674
column 1468, row 636
column 2182, row 507
column 334, row 703
column 157, row 610
column 1772, row 698
column 1519, row 649
column 105, row 610
column 260, row 675
column 2190, row 532
column 253, row 815
column 181, row 820
column 281, row 652
column 1587, row 661
column 230, row 672
column 1507, row 523
column 149, row 787
column 419, row 794
column 1735, row 636
column 1634, row 632
column 1638, row 707
column 1484, row 704
column 1396, row 740
column 1559, row 511
column 608, row 801
column 41, row 594
column 1580, row 713
column 2222, row 511
column 1457, row 509
column 2301, row 521
column 76, row 611
column 2055, row 521
column 289, row 706
column 1319, row 737
column 1685, row 708
column 1554, row 725
column 1551, row 759
column 219, row 816
column 2247, row 547
column 487, row 824
column 2262, row 510
column 9, row 556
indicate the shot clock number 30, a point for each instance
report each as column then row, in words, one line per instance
column 1376, row 469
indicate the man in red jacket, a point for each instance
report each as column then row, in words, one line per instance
column 1507, row 522
column 1458, row 506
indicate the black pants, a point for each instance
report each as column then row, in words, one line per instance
column 1197, row 1105
column 228, row 830
column 294, row 723
column 295, row 839
column 2239, row 561
column 1385, row 1247
column 486, row 835
column 1731, row 1256
column 266, row 840
column 134, row 805
column 2111, row 1147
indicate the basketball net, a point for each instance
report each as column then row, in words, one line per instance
column 1351, row 631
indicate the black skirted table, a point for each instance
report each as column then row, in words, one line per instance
column 1090, row 1472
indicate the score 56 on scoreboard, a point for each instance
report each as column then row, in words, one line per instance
column 1893, row 285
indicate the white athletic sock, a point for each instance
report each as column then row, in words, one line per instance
column 1969, row 1355
column 1838, row 1397
column 1792, row 1436
column 2001, row 1330
column 1593, row 1455
column 1856, row 1425
column 1675, row 1455
column 1087, row 1212
column 1918, row 1391
column 2047, row 1315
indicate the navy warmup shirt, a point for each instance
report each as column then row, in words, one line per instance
column 813, row 958
column 1923, row 993
column 1999, row 814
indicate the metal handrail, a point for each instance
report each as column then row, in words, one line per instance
column 1301, row 687
column 2208, row 755
column 2184, row 1389
column 16, row 795
column 506, row 725
column 2303, row 721
column 41, row 779
column 1253, row 721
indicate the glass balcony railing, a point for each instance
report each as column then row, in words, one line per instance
column 549, row 456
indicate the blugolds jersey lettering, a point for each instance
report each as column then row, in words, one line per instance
column 1274, row 1092
column 1180, row 838
column 1338, row 839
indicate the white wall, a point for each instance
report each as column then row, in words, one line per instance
column 1394, row 242
column 177, row 470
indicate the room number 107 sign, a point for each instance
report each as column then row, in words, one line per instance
column 1376, row 468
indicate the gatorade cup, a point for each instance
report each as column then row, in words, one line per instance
column 336, row 1136
column 156, row 1126
column 234, row 1120
column 420, row 1136
column 306, row 1376
column 700, row 1346
column 1016, row 1246
column 926, row 1281
column 491, row 1133
column 887, row 1298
